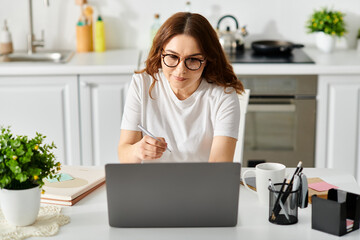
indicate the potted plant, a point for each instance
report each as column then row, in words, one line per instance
column 327, row 24
column 24, row 163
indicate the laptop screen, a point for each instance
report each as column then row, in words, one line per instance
column 173, row 194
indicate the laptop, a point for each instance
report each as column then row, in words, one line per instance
column 173, row 194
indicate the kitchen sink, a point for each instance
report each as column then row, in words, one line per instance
column 54, row 57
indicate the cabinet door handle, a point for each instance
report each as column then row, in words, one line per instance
column 271, row 108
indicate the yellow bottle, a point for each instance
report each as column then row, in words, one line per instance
column 99, row 35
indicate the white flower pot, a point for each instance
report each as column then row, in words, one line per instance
column 325, row 42
column 20, row 207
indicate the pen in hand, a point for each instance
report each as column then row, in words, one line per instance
column 150, row 134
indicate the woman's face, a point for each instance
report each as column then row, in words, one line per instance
column 183, row 81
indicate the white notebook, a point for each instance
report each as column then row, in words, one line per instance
column 84, row 179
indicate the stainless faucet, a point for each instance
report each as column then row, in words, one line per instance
column 32, row 43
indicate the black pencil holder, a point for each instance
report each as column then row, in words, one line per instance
column 287, row 212
column 332, row 214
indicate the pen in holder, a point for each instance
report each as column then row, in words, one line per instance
column 288, row 213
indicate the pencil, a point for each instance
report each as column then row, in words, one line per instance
column 150, row 134
column 280, row 202
column 288, row 190
column 276, row 205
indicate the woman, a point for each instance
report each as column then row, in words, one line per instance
column 185, row 96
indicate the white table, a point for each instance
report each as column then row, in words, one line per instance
column 89, row 219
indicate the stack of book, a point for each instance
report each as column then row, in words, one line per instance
column 76, row 182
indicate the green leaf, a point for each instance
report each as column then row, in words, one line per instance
column 16, row 143
column 21, row 177
column 14, row 167
column 3, row 143
column 34, row 171
column 19, row 152
column 5, row 180
column 24, row 159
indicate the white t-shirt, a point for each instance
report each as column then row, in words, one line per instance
column 189, row 125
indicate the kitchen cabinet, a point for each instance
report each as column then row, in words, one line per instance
column 44, row 104
column 81, row 114
column 338, row 123
column 78, row 105
column 102, row 100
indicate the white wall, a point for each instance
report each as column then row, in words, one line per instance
column 128, row 22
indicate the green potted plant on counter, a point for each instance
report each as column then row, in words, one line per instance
column 24, row 163
column 327, row 24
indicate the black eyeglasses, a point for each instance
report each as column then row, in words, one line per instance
column 191, row 63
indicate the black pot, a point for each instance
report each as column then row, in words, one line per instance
column 274, row 47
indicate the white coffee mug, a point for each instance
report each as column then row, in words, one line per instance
column 264, row 172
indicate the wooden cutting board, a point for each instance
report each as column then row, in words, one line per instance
column 312, row 192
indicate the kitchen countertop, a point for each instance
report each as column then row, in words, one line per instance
column 121, row 61
column 339, row 62
column 125, row 61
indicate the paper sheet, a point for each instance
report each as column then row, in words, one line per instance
column 321, row 186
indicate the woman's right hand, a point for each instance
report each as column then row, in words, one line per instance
column 149, row 148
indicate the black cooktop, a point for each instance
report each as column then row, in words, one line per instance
column 249, row 56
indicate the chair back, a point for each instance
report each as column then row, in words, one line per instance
column 244, row 101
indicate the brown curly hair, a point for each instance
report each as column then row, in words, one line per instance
column 218, row 70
